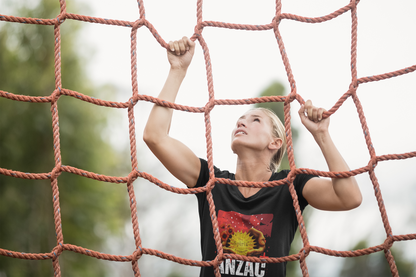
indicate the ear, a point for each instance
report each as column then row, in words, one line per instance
column 275, row 144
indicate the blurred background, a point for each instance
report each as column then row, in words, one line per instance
column 96, row 62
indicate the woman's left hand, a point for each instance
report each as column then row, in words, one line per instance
column 312, row 118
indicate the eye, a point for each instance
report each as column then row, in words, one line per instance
column 257, row 119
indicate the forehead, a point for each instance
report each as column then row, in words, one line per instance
column 253, row 113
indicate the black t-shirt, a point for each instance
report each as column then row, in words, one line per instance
column 262, row 225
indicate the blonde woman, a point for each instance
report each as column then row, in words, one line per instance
column 257, row 222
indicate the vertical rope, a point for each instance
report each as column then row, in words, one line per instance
column 56, row 140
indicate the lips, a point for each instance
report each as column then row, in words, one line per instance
column 240, row 132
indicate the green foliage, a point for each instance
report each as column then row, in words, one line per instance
column 174, row 274
column 274, row 89
column 91, row 211
column 376, row 264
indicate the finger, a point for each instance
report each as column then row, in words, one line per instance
column 179, row 47
column 182, row 46
column 309, row 112
column 314, row 114
column 185, row 41
column 175, row 47
column 308, row 104
column 320, row 113
column 302, row 111
column 307, row 108
column 171, row 46
column 190, row 43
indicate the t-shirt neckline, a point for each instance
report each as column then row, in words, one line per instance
column 254, row 195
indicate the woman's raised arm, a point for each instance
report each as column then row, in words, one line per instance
column 339, row 193
column 173, row 154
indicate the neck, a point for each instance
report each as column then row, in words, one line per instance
column 253, row 170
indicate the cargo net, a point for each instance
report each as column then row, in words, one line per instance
column 135, row 172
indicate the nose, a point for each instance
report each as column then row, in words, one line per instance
column 240, row 123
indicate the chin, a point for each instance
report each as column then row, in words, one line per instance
column 233, row 147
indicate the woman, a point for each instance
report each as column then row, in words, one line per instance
column 257, row 222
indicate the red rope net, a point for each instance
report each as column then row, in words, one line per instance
column 135, row 173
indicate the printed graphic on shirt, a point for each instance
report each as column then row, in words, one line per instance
column 241, row 268
column 244, row 235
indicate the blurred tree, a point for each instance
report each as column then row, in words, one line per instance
column 91, row 210
column 277, row 89
column 376, row 264
column 174, row 274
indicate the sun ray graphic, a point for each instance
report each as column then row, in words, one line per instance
column 241, row 243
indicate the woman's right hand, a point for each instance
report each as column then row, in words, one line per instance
column 180, row 53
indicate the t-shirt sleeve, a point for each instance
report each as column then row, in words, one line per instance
column 299, row 183
column 203, row 174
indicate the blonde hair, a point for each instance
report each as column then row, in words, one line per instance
column 278, row 131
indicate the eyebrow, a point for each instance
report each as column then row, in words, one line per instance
column 253, row 115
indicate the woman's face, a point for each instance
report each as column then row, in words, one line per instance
column 253, row 130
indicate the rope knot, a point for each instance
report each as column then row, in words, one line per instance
column 60, row 19
column 372, row 163
column 220, row 257
column 133, row 101
column 217, row 261
column 138, row 23
column 292, row 96
column 132, row 176
column 56, row 94
column 388, row 243
column 209, row 106
column 276, row 21
column 210, row 185
column 56, row 172
column 353, row 87
column 304, row 252
column 198, row 30
column 290, row 177
column 57, row 250
column 137, row 254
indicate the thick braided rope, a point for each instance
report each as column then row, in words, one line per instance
column 135, row 173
